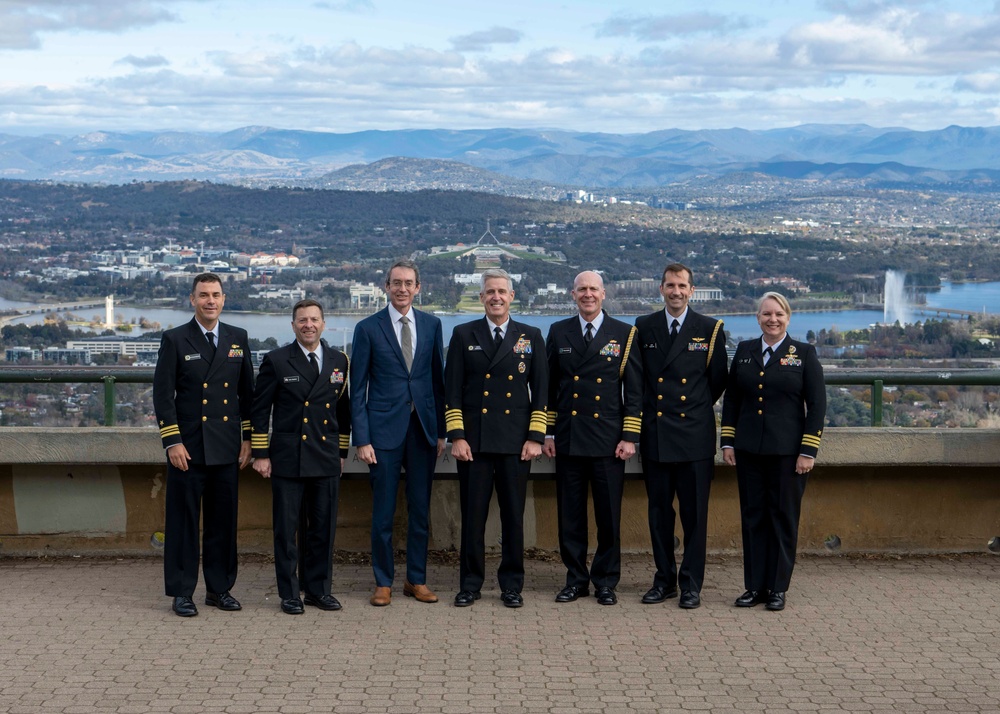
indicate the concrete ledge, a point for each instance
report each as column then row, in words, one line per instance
column 851, row 446
column 101, row 490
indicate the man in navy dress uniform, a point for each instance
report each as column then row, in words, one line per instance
column 594, row 418
column 202, row 392
column 302, row 394
column 684, row 373
column 496, row 384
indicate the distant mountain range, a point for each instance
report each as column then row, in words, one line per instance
column 510, row 161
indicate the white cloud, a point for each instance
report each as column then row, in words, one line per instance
column 23, row 22
column 147, row 62
column 485, row 39
column 652, row 28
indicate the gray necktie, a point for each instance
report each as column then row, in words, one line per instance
column 406, row 341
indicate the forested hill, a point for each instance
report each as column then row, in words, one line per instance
column 158, row 205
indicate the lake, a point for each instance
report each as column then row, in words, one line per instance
column 963, row 296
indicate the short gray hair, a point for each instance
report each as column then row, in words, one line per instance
column 493, row 273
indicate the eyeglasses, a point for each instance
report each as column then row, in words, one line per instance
column 408, row 284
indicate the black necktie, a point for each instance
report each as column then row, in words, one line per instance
column 767, row 355
column 211, row 343
column 674, row 328
column 497, row 337
column 315, row 363
column 588, row 335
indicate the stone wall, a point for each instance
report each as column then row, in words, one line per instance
column 101, row 490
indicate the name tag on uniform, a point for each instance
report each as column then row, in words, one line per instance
column 745, row 360
column 286, row 380
column 475, row 348
column 649, row 346
column 188, row 358
column 565, row 350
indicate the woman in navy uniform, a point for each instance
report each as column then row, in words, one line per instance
column 772, row 421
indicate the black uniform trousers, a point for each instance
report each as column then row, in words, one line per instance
column 606, row 477
column 770, row 503
column 306, row 507
column 691, row 482
column 477, row 478
column 216, row 488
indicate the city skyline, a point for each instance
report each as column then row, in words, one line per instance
column 75, row 66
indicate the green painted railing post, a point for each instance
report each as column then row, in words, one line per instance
column 877, row 386
column 109, row 401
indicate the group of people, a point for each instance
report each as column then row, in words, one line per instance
column 591, row 395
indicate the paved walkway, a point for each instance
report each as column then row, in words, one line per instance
column 859, row 635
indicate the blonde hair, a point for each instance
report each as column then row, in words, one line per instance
column 778, row 298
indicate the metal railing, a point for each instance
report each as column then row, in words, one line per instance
column 876, row 380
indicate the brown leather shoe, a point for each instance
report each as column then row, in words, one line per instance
column 381, row 597
column 421, row 593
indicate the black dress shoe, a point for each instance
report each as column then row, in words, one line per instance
column 223, row 601
column 775, row 601
column 292, row 606
column 606, row 596
column 323, row 602
column 511, row 598
column 184, row 606
column 466, row 598
column 572, row 592
column 751, row 598
column 690, row 599
column 657, row 594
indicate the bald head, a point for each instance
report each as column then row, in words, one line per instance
column 588, row 293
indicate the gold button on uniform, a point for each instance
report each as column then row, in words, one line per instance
column 684, row 380
column 303, row 437
column 759, row 411
column 484, row 411
column 327, row 405
column 305, row 420
column 760, row 399
column 598, row 380
column 225, row 401
column 659, row 413
column 487, row 375
column 510, row 377
column 596, row 415
column 659, row 397
column 576, row 378
column 225, row 418
column 506, row 411
column 597, row 398
column 205, row 385
column 307, row 404
column 326, row 421
column 760, row 386
column 323, row 438
column 660, row 379
column 508, row 395
column 225, row 384
column 204, row 418
column 682, row 415
column 761, row 374
column 573, row 412
column 204, row 401
column 575, row 395
column 486, row 394
column 683, row 398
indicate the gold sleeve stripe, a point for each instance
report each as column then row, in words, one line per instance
column 636, row 421
column 245, row 425
column 632, row 424
column 258, row 441
column 170, row 430
column 551, row 418
column 711, row 345
column 628, row 348
column 345, row 441
column 453, row 420
column 806, row 441
column 538, row 421
column 729, row 431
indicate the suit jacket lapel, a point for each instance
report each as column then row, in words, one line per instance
column 757, row 353
column 575, row 338
column 774, row 352
column 390, row 335
column 425, row 338
column 300, row 363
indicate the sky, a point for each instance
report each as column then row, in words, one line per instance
column 77, row 66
